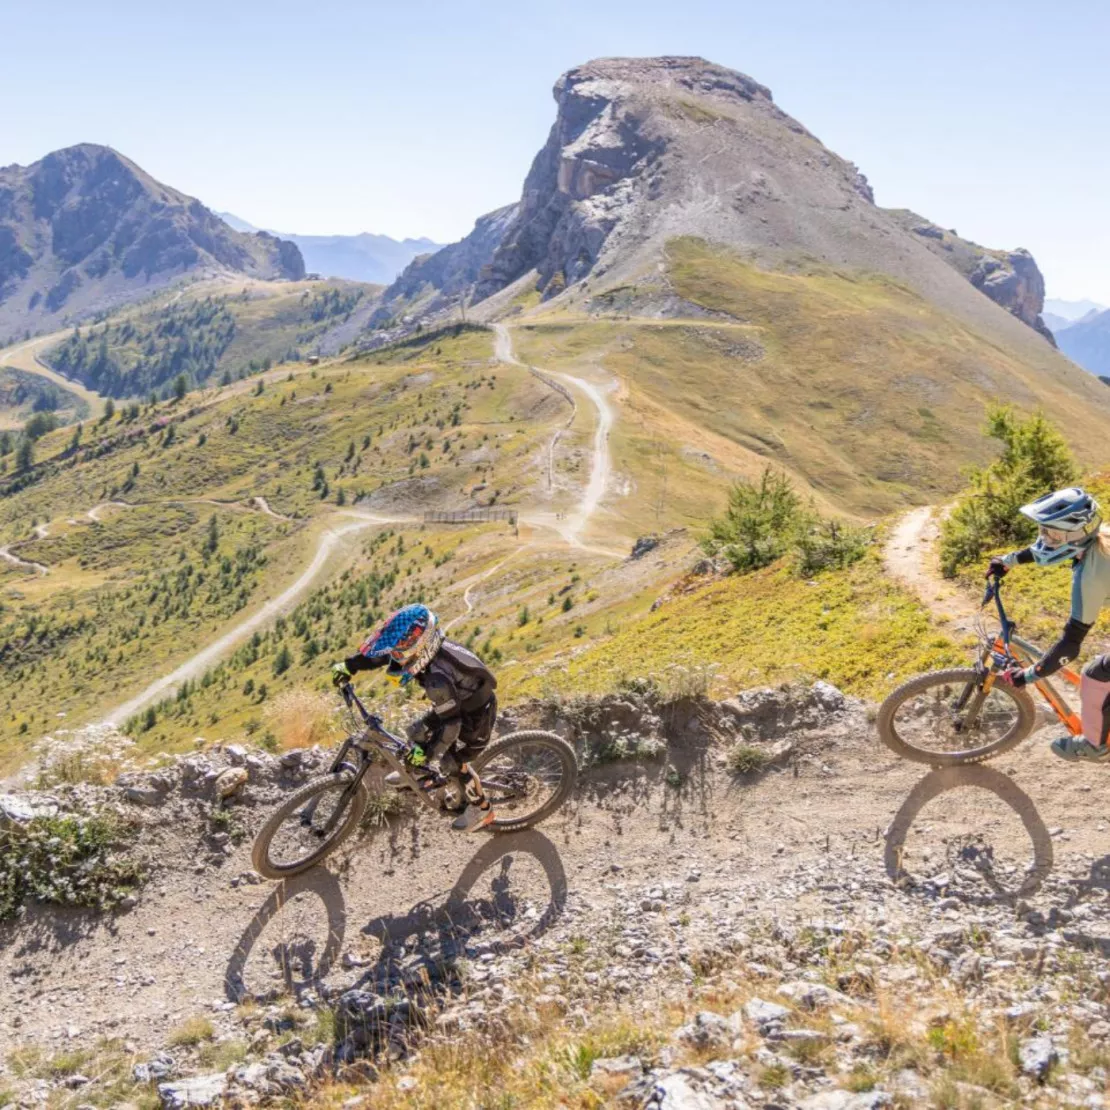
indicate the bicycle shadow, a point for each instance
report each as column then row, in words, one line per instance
column 294, row 938
column 422, row 947
column 303, row 937
column 979, row 877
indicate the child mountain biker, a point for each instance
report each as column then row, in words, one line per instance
column 411, row 646
column 1070, row 528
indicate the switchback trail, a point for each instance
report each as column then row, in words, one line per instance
column 570, row 530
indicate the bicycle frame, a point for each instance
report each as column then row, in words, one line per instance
column 1002, row 651
column 375, row 737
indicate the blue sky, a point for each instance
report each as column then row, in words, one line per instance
column 413, row 118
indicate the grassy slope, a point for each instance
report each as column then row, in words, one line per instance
column 242, row 328
column 868, row 394
column 82, row 620
column 853, row 628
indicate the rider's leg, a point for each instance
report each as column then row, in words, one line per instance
column 1094, row 713
column 1094, row 696
column 475, row 735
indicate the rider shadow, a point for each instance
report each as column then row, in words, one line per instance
column 301, row 927
column 977, row 876
column 488, row 911
column 295, row 937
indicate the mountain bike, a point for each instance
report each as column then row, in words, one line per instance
column 946, row 718
column 526, row 775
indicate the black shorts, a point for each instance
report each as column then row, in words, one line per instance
column 477, row 728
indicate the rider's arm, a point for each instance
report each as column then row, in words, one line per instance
column 1063, row 651
column 1014, row 558
column 1086, row 601
column 362, row 662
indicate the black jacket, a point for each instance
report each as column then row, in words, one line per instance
column 456, row 681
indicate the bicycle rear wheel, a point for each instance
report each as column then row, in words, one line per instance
column 945, row 718
column 309, row 825
column 527, row 776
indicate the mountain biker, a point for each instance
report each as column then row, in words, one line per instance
column 411, row 646
column 1069, row 527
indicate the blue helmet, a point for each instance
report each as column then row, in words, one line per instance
column 1067, row 521
column 410, row 637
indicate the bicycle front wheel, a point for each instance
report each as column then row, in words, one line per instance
column 945, row 718
column 309, row 825
column 527, row 776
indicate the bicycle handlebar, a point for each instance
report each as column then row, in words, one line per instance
column 371, row 720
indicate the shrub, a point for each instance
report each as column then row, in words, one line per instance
column 743, row 759
column 70, row 861
column 1034, row 459
column 766, row 520
column 759, row 523
column 829, row 545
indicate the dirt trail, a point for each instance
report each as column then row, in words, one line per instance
column 194, row 667
column 574, row 524
column 200, row 934
column 16, row 561
column 25, row 356
column 910, row 556
column 94, row 513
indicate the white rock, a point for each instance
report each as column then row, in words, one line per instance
column 201, row 1090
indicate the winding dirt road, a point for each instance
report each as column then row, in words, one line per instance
column 16, row 561
column 601, row 468
column 569, row 529
column 194, row 667
column 25, row 356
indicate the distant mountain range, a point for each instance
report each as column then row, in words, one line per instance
column 1087, row 341
column 85, row 229
column 365, row 257
column 1070, row 311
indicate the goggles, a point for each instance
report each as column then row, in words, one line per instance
column 1053, row 537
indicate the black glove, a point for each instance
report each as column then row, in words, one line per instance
column 997, row 568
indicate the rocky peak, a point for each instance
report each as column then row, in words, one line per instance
column 85, row 228
column 615, row 120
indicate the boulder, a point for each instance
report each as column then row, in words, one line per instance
column 1036, row 1057
column 228, row 783
column 200, row 1090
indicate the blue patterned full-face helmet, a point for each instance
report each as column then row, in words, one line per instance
column 1067, row 521
column 410, row 637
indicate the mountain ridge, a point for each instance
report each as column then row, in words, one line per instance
column 365, row 256
column 644, row 149
column 1086, row 341
column 86, row 229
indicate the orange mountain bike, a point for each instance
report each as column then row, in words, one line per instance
column 967, row 715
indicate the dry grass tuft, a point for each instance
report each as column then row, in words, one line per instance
column 300, row 718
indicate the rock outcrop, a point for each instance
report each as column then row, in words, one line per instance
column 432, row 281
column 646, row 150
column 1011, row 279
column 85, row 229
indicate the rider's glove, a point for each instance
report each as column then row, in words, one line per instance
column 340, row 674
column 997, row 568
column 1018, row 676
